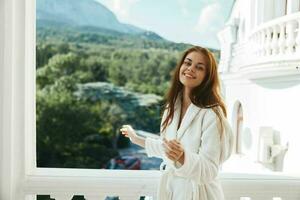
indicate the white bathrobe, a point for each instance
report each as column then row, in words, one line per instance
column 204, row 149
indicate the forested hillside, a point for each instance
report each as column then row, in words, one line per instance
column 84, row 132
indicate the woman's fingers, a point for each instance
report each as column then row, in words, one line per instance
column 171, row 156
column 175, row 145
column 173, row 149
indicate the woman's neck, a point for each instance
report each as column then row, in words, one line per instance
column 186, row 101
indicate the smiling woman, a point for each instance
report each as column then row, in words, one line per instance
column 195, row 137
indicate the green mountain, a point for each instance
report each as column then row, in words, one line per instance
column 90, row 22
column 80, row 13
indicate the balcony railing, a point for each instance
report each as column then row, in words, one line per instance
column 277, row 37
column 273, row 49
column 63, row 184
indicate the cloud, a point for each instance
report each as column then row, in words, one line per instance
column 183, row 7
column 121, row 8
column 210, row 18
column 210, row 21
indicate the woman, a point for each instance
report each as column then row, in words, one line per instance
column 195, row 135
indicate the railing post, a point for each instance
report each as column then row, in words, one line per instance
column 93, row 197
column 282, row 41
column 62, row 197
column 274, row 43
column 290, row 31
column 131, row 197
column 257, row 44
column 263, row 42
column 30, row 197
column 268, row 42
column 298, row 38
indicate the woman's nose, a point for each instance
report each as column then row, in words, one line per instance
column 191, row 68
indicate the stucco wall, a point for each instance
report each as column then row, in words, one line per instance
column 266, row 107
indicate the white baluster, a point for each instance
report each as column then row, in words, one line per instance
column 62, row 197
column 298, row 39
column 274, row 43
column 94, row 197
column 282, row 39
column 250, row 50
column 268, row 42
column 245, row 198
column 265, row 42
column 132, row 197
column 262, row 42
column 30, row 197
column 290, row 40
column 257, row 44
column 149, row 198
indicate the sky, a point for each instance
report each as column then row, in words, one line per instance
column 190, row 21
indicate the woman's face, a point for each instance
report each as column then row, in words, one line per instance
column 193, row 70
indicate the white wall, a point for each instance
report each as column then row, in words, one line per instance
column 277, row 108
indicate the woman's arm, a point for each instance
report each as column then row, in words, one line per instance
column 152, row 146
column 129, row 132
column 139, row 140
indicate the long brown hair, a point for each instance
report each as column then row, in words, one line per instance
column 206, row 95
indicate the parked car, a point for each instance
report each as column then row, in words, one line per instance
column 124, row 162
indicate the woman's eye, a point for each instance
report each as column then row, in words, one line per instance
column 187, row 63
column 200, row 67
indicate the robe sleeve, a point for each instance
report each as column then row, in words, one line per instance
column 203, row 166
column 154, row 147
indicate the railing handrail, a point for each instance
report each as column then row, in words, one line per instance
column 93, row 182
column 104, row 173
column 276, row 21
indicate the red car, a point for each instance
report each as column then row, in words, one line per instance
column 124, row 162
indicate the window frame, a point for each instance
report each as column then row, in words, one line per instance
column 20, row 177
column 18, row 123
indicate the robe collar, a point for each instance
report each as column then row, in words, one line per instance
column 189, row 116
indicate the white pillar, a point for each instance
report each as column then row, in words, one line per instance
column 268, row 10
column 226, row 38
column 12, row 135
column 259, row 12
column 279, row 8
column 292, row 6
column 252, row 14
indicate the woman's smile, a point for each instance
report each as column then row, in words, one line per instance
column 188, row 75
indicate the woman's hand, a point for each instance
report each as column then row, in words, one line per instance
column 174, row 150
column 129, row 132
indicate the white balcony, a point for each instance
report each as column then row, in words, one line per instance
column 62, row 184
column 272, row 50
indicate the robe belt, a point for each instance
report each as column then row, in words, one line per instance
column 165, row 191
